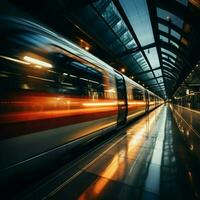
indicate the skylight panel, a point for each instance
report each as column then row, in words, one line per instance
column 163, row 28
column 138, row 15
column 152, row 56
column 167, row 15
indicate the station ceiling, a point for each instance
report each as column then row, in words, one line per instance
column 154, row 42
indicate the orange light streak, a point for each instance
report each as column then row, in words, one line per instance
column 100, row 104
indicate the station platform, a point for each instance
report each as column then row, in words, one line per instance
column 149, row 159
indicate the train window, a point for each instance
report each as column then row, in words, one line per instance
column 88, row 80
column 152, row 98
column 129, row 87
column 64, row 82
column 67, row 77
column 138, row 94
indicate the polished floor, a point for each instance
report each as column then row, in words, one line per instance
column 191, row 117
column 149, row 160
column 188, row 122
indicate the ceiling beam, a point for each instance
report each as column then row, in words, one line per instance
column 174, row 27
column 144, row 72
column 146, row 80
column 185, row 13
column 170, row 74
column 167, row 35
column 175, row 66
column 171, row 70
column 135, row 50
column 154, row 23
column 176, row 52
column 177, row 60
column 127, row 22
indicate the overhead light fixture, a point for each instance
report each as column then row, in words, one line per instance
column 87, row 48
column 85, row 45
column 123, row 70
column 37, row 62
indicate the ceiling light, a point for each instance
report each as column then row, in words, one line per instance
column 123, row 70
column 87, row 48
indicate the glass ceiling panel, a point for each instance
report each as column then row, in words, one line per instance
column 157, row 72
column 131, row 62
column 168, row 52
column 175, row 34
column 131, row 44
column 160, row 80
column 126, row 37
column 152, row 81
column 183, row 2
column 174, row 19
column 141, row 61
column 111, row 15
column 138, row 15
column 172, row 60
column 164, row 56
column 152, row 56
column 169, row 73
column 119, row 28
column 169, row 64
column 163, row 28
column 169, row 70
column 174, row 43
column 163, row 38
column 146, row 76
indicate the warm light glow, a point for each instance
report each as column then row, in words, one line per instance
column 137, row 103
column 15, row 60
column 100, row 104
column 195, row 3
column 38, row 66
column 53, row 107
column 110, row 90
column 123, row 70
column 37, row 62
column 184, row 41
column 87, row 48
column 117, row 165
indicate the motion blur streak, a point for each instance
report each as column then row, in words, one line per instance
column 27, row 108
column 53, row 92
column 15, row 60
column 100, row 104
column 37, row 62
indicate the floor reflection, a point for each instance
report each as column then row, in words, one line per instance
column 124, row 161
column 150, row 161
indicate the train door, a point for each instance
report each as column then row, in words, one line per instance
column 122, row 99
column 147, row 100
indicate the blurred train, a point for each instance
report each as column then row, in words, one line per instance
column 55, row 95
